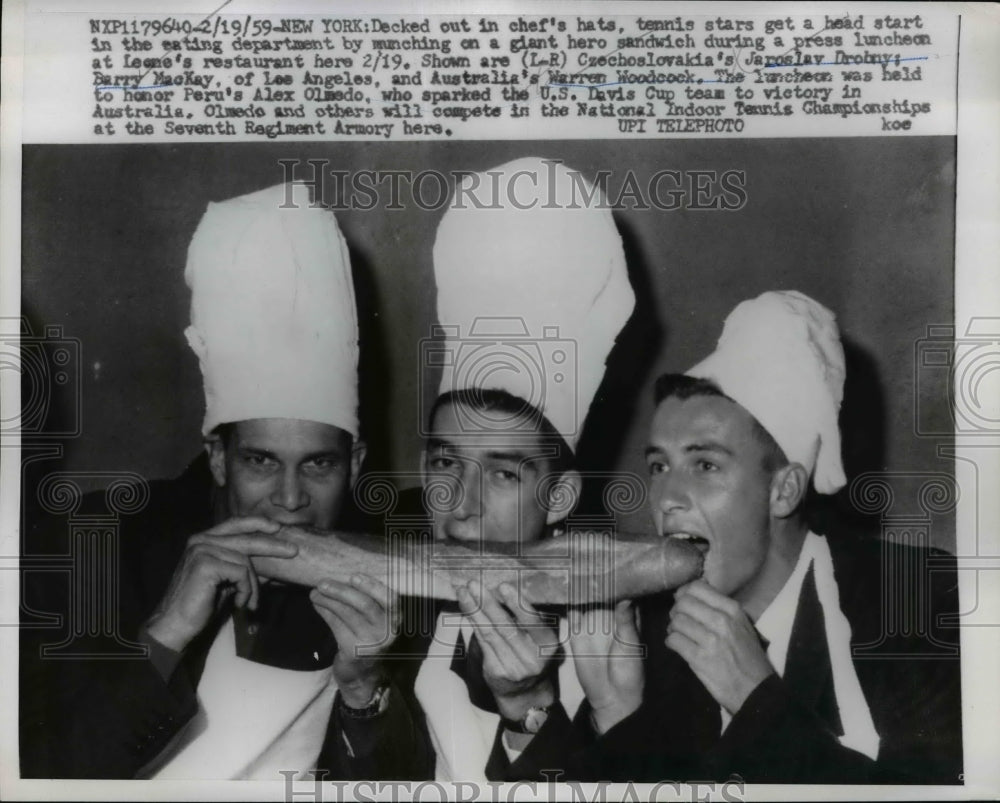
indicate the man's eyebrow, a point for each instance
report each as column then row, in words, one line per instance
column 499, row 455
column 255, row 450
column 708, row 446
column 514, row 457
column 698, row 446
column 336, row 452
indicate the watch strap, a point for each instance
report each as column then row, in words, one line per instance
column 377, row 704
column 532, row 721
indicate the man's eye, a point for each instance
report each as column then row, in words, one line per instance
column 257, row 460
column 504, row 475
column 706, row 465
column 442, row 463
column 655, row 467
column 323, row 464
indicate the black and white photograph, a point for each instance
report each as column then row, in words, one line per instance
column 648, row 462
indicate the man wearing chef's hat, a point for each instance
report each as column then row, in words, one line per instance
column 243, row 674
column 274, row 326
column 760, row 677
column 532, row 291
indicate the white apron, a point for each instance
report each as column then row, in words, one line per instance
column 253, row 719
column 461, row 733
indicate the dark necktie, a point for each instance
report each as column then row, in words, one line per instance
column 285, row 631
column 467, row 663
column 808, row 671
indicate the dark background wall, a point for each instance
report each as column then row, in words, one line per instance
column 865, row 226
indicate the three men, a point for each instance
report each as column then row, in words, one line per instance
column 755, row 669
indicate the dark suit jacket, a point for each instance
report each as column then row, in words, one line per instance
column 105, row 716
column 906, row 658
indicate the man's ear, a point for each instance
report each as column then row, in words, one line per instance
column 358, row 452
column 216, row 451
column 563, row 494
column 788, row 489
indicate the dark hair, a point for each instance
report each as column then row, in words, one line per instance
column 682, row 386
column 225, row 433
column 501, row 401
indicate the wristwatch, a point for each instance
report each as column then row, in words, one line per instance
column 378, row 702
column 531, row 722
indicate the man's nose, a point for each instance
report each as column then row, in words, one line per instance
column 668, row 492
column 469, row 492
column 290, row 493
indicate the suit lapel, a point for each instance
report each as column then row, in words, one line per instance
column 808, row 672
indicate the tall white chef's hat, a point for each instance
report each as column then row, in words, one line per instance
column 273, row 320
column 780, row 357
column 532, row 288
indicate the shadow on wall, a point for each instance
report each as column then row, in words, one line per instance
column 863, row 448
column 613, row 410
column 374, row 382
